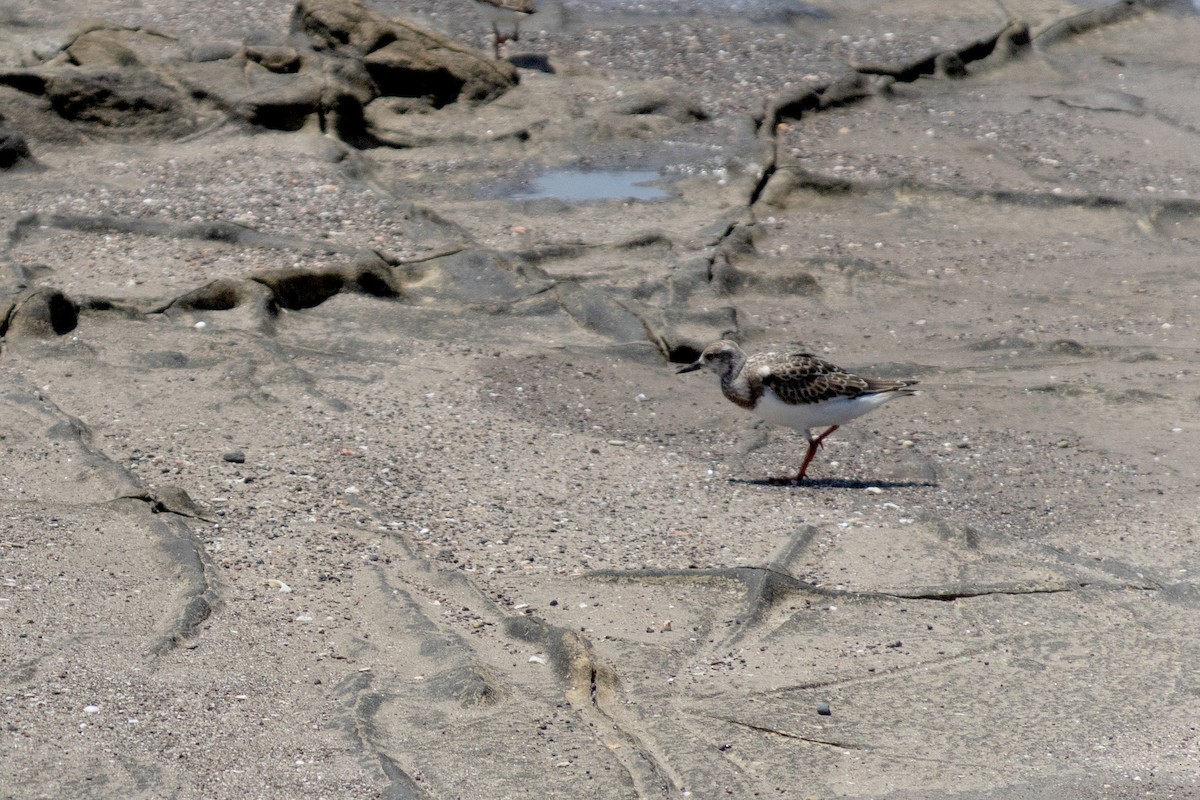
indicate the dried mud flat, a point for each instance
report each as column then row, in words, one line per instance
column 332, row 470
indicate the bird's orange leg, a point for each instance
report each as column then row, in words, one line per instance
column 813, row 445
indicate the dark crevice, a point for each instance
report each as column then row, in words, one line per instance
column 795, row 736
column 951, row 595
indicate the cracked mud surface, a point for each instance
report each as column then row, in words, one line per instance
column 328, row 471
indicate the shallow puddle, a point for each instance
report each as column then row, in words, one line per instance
column 575, row 186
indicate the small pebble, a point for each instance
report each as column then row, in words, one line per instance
column 91, row 709
column 874, row 490
column 823, row 709
column 234, row 457
column 278, row 584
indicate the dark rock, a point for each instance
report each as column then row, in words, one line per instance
column 845, row 90
column 284, row 105
column 342, row 25
column 670, row 102
column 950, row 65
column 296, row 289
column 222, row 294
column 234, row 457
column 330, row 94
column 40, row 314
column 24, row 80
column 469, row 685
column 601, row 312
column 481, row 277
column 276, row 59
column 403, row 59
column 106, row 79
column 824, row 710
column 134, row 100
column 791, row 104
column 258, row 96
column 14, row 150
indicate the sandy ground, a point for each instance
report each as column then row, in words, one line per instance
column 480, row 540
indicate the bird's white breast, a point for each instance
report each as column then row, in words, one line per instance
column 803, row 416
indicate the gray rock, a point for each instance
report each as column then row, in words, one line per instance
column 14, row 150
column 403, row 59
column 118, row 100
column 213, row 51
column 101, row 49
column 38, row 314
column 276, row 59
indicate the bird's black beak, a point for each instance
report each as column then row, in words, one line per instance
column 689, row 368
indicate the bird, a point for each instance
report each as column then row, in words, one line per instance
column 506, row 12
column 797, row 390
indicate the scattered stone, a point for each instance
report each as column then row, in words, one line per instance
column 234, row 457
column 824, row 710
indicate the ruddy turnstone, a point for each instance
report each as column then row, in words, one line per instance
column 798, row 390
column 506, row 12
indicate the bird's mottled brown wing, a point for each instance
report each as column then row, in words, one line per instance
column 804, row 378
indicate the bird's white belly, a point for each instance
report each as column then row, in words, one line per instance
column 501, row 15
column 804, row 416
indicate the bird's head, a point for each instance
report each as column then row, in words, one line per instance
column 723, row 357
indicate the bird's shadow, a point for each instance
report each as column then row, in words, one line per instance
column 831, row 483
column 532, row 61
